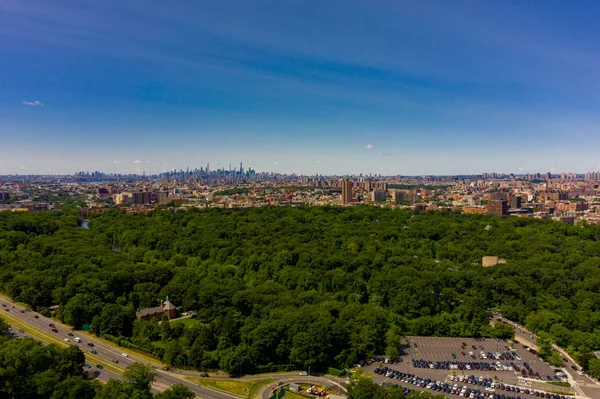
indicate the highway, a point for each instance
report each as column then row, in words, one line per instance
column 38, row 327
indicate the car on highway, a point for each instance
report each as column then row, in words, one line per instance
column 51, row 325
column 54, row 330
column 70, row 334
column 99, row 366
column 114, row 360
column 93, row 352
column 124, row 354
column 66, row 339
column 303, row 373
column 36, row 316
column 90, row 344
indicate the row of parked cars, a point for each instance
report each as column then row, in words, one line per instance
column 492, row 387
column 458, row 365
column 444, row 387
column 489, row 392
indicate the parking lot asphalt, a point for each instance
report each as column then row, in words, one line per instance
column 434, row 349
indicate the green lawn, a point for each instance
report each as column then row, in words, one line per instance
column 559, row 383
column 242, row 388
column 190, row 322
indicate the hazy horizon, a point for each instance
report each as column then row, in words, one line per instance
column 389, row 87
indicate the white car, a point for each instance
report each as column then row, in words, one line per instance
column 302, row 373
column 124, row 354
column 471, row 353
column 579, row 372
column 66, row 339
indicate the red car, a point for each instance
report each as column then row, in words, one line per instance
column 54, row 330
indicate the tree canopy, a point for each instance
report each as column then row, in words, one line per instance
column 287, row 288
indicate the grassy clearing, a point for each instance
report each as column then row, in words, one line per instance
column 187, row 323
column 241, row 388
column 293, row 395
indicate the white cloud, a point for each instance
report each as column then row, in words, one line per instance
column 116, row 162
column 276, row 163
column 368, row 146
column 319, row 162
column 35, row 103
column 137, row 161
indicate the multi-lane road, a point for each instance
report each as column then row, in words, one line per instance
column 39, row 327
column 110, row 361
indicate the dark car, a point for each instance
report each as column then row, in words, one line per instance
column 94, row 352
column 90, row 344
column 36, row 316
column 99, row 366
column 54, row 330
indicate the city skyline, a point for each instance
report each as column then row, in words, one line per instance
column 410, row 88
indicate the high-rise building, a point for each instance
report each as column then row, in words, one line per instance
column 378, row 195
column 498, row 207
column 163, row 197
column 346, row 192
column 515, row 202
column 400, row 196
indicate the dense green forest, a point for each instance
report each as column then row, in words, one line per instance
column 31, row 370
column 287, row 288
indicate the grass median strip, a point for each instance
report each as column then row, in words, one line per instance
column 48, row 338
column 135, row 352
column 241, row 388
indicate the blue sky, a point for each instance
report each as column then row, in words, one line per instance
column 331, row 87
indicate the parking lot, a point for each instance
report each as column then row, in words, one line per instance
column 441, row 359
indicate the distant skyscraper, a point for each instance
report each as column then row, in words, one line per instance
column 346, row 191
